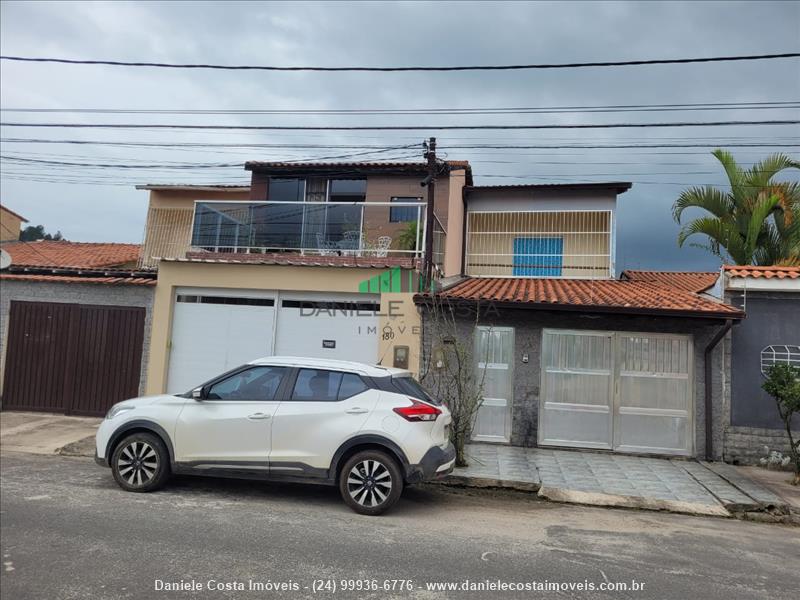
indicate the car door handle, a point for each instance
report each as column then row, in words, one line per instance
column 356, row 411
column 256, row 416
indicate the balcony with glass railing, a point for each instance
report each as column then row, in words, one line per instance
column 563, row 244
column 315, row 228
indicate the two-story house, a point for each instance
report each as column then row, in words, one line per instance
column 321, row 259
column 568, row 355
column 312, row 259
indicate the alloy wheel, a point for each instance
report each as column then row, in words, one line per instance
column 137, row 463
column 369, row 483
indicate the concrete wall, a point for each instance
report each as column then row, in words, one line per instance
column 400, row 324
column 78, row 293
column 528, row 325
column 454, row 226
column 751, row 419
column 172, row 275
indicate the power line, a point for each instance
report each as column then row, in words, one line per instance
column 515, row 67
column 396, row 127
column 194, row 145
column 779, row 105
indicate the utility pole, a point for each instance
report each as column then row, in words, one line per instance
column 430, row 181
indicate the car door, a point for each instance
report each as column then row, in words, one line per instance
column 322, row 410
column 230, row 425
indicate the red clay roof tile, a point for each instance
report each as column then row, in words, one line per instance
column 79, row 255
column 690, row 281
column 762, row 272
column 592, row 294
column 77, row 279
column 297, row 260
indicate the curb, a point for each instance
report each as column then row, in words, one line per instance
column 620, row 501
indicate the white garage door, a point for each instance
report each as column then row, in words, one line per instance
column 214, row 331
column 342, row 327
column 629, row 392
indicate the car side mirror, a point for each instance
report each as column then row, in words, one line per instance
column 198, row 393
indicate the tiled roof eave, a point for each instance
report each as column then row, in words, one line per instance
column 426, row 299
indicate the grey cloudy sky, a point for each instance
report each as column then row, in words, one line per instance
column 101, row 205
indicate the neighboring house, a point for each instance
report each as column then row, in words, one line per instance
column 571, row 356
column 74, row 326
column 10, row 224
column 312, row 259
column 769, row 335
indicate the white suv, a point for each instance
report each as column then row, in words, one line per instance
column 367, row 429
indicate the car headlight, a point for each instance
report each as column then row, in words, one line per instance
column 118, row 409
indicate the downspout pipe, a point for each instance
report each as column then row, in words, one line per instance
column 709, row 388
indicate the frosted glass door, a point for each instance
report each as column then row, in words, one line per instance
column 494, row 351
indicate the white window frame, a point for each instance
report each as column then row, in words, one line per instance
column 779, row 354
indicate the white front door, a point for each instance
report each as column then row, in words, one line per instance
column 339, row 326
column 232, row 425
column 494, row 355
column 214, row 331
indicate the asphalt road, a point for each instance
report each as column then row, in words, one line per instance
column 67, row 531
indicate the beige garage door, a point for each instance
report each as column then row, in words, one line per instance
column 629, row 392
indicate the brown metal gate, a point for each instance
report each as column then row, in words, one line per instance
column 72, row 358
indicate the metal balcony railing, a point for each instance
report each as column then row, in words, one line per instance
column 564, row 244
column 322, row 228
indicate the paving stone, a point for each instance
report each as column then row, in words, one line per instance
column 759, row 494
column 613, row 480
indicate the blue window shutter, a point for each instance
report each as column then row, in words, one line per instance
column 538, row 256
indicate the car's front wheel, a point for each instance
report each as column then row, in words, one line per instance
column 140, row 463
column 370, row 482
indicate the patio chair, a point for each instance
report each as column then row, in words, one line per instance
column 381, row 249
column 349, row 243
column 326, row 247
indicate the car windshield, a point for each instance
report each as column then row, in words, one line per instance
column 408, row 385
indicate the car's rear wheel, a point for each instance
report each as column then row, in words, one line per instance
column 370, row 482
column 140, row 463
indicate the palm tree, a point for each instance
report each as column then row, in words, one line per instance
column 757, row 222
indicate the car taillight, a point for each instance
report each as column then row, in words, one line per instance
column 418, row 411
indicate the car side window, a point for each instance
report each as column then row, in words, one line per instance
column 316, row 385
column 258, row 383
column 351, row 385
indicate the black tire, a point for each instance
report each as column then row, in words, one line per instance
column 370, row 482
column 140, row 463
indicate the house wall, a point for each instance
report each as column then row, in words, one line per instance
column 528, row 326
column 78, row 293
column 10, row 225
column 168, row 229
column 585, row 255
column 400, row 325
column 172, row 275
column 581, row 201
column 454, row 227
column 752, row 419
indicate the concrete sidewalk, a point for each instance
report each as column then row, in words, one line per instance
column 43, row 433
column 605, row 479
